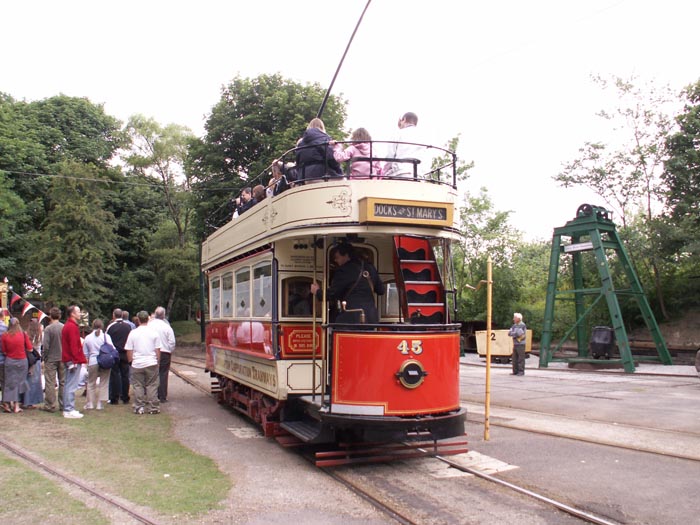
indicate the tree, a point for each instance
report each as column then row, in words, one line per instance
column 255, row 121
column 77, row 243
column 628, row 176
column 486, row 234
column 75, row 129
column 177, row 269
column 12, row 213
column 137, row 205
column 682, row 172
column 37, row 141
column 159, row 153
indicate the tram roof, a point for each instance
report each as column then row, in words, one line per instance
column 338, row 207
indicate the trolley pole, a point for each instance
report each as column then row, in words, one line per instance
column 313, row 332
column 489, row 297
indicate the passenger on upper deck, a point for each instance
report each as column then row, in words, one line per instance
column 361, row 148
column 314, row 154
column 399, row 150
column 244, row 202
column 259, row 192
column 278, row 183
column 354, row 281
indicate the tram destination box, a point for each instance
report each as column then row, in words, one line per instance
column 501, row 343
column 376, row 209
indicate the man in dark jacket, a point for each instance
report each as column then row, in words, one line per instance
column 354, row 281
column 245, row 201
column 119, row 331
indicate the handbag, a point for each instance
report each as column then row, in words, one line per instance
column 32, row 357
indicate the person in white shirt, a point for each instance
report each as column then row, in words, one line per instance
column 406, row 147
column 96, row 375
column 167, row 340
column 143, row 350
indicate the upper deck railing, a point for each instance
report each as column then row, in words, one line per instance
column 426, row 163
column 414, row 198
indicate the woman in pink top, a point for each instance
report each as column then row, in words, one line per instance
column 360, row 148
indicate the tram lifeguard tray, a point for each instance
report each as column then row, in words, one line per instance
column 593, row 231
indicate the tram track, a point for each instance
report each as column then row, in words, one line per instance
column 494, row 421
column 637, row 373
column 41, row 465
column 401, row 515
column 573, row 511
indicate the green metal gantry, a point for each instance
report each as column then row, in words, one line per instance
column 593, row 230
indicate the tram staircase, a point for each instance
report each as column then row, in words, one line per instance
column 421, row 292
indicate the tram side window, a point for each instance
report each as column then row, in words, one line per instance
column 227, row 295
column 296, row 297
column 214, row 298
column 389, row 303
column 243, row 293
column 262, row 290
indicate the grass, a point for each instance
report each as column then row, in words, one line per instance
column 187, row 332
column 134, row 457
column 28, row 497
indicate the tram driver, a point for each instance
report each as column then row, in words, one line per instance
column 354, row 281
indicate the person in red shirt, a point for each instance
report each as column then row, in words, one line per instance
column 15, row 343
column 73, row 359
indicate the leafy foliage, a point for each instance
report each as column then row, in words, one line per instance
column 255, row 121
column 682, row 173
column 628, row 175
column 77, row 244
column 487, row 234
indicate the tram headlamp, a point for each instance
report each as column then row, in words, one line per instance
column 411, row 374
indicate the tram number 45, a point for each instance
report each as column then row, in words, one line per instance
column 416, row 347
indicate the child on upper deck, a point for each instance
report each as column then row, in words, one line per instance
column 361, row 148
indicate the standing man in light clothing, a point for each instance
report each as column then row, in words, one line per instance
column 518, row 332
column 406, row 147
column 143, row 350
column 167, row 340
column 53, row 366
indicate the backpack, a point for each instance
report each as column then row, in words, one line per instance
column 108, row 356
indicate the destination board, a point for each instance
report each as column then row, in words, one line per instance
column 373, row 209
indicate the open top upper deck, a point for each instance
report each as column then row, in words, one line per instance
column 422, row 204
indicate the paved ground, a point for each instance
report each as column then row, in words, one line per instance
column 646, row 412
column 574, row 415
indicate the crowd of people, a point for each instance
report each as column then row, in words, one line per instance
column 319, row 157
column 44, row 367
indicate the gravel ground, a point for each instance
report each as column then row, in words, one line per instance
column 271, row 485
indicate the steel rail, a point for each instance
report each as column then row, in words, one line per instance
column 636, row 373
column 192, row 382
column 355, row 489
column 18, row 451
column 199, row 364
column 586, row 516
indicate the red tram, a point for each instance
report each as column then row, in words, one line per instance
column 271, row 345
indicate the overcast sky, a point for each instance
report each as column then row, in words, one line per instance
column 511, row 77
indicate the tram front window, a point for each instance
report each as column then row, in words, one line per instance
column 389, row 303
